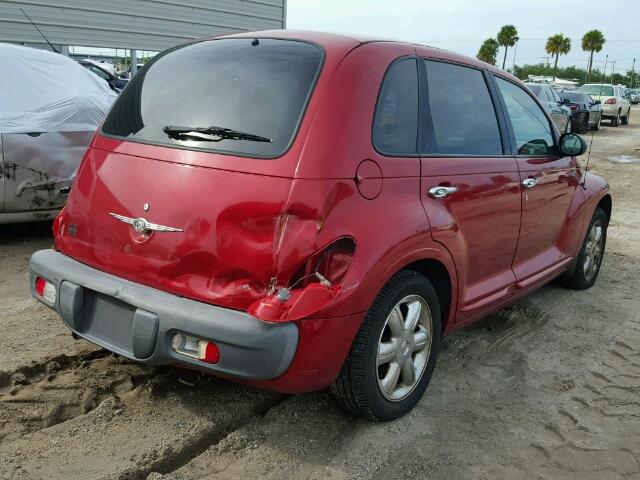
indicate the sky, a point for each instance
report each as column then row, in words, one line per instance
column 462, row 25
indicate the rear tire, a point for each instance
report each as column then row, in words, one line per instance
column 584, row 125
column 589, row 259
column 394, row 354
column 625, row 119
column 615, row 121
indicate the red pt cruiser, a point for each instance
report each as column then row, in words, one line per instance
column 302, row 210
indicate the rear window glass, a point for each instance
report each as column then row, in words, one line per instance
column 598, row 90
column 258, row 87
column 575, row 97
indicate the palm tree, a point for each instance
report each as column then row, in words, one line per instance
column 489, row 51
column 507, row 37
column 557, row 45
column 593, row 41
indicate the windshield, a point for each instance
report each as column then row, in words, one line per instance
column 257, row 86
column 596, row 89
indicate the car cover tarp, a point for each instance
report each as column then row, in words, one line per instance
column 42, row 91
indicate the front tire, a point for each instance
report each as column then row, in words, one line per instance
column 394, row 354
column 589, row 259
column 596, row 127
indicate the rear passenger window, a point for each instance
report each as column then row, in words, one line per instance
column 463, row 120
column 530, row 125
column 395, row 122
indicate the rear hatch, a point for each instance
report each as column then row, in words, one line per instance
column 184, row 187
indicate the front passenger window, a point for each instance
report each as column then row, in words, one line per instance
column 530, row 125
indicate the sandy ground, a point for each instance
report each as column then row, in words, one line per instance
column 548, row 388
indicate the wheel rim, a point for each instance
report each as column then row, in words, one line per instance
column 403, row 348
column 593, row 250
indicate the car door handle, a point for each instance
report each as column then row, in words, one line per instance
column 441, row 191
column 529, row 182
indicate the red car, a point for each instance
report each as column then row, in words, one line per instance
column 301, row 210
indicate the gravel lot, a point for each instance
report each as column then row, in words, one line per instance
column 548, row 388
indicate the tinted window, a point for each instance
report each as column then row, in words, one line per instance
column 598, row 90
column 575, row 97
column 530, row 125
column 395, row 123
column 463, row 120
column 259, row 88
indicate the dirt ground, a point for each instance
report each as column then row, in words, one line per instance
column 548, row 388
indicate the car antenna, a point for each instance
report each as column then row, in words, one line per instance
column 40, row 32
column 586, row 167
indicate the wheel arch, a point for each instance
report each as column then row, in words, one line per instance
column 439, row 277
column 606, row 204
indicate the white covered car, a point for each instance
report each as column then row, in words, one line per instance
column 50, row 107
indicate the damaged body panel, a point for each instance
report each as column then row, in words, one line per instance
column 51, row 107
column 38, row 169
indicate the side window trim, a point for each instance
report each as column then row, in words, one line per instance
column 425, row 111
column 512, row 136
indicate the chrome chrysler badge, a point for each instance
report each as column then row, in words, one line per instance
column 142, row 225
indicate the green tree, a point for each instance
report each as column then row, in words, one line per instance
column 507, row 37
column 489, row 51
column 557, row 45
column 592, row 41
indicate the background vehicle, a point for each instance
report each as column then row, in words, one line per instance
column 560, row 114
column 269, row 269
column 634, row 96
column 115, row 83
column 51, row 107
column 615, row 105
column 586, row 112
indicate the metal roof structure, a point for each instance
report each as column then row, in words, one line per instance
column 134, row 24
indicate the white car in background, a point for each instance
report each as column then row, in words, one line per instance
column 613, row 98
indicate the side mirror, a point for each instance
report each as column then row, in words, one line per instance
column 597, row 102
column 572, row 145
column 566, row 101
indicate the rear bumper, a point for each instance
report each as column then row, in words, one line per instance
column 610, row 111
column 139, row 322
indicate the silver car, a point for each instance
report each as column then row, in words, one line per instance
column 51, row 107
column 615, row 104
column 559, row 113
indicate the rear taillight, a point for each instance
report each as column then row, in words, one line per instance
column 197, row 348
column 45, row 290
column 573, row 106
column 312, row 287
column 611, row 101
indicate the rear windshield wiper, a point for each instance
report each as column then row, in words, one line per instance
column 216, row 134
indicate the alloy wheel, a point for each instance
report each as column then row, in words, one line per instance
column 404, row 347
column 593, row 250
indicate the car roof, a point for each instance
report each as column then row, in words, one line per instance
column 330, row 40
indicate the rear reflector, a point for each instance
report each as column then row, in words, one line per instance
column 611, row 101
column 193, row 347
column 46, row 290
